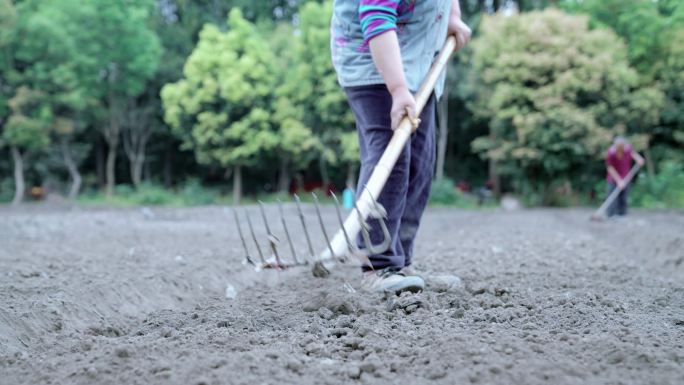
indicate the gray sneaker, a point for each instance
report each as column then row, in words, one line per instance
column 439, row 282
column 392, row 280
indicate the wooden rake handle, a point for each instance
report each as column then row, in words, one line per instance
column 382, row 170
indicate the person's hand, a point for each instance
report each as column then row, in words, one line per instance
column 460, row 30
column 621, row 184
column 402, row 102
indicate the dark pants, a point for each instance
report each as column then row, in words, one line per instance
column 407, row 190
column 619, row 205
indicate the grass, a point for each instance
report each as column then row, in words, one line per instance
column 193, row 194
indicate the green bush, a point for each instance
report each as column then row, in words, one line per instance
column 664, row 190
column 193, row 194
column 151, row 194
column 443, row 192
column 6, row 189
column 124, row 190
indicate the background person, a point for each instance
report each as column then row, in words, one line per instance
column 619, row 159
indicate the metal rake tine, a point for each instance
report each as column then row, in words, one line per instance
column 363, row 225
column 287, row 233
column 242, row 238
column 256, row 242
column 306, row 232
column 380, row 214
column 271, row 238
column 320, row 220
column 339, row 218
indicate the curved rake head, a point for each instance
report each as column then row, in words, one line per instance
column 277, row 261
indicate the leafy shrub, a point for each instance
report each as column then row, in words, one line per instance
column 664, row 190
column 151, row 194
column 6, row 189
column 194, row 194
column 443, row 192
column 124, row 190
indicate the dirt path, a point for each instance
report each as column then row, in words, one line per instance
column 138, row 296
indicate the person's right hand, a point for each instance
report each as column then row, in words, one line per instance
column 621, row 184
column 402, row 102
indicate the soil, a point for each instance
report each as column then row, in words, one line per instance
column 161, row 296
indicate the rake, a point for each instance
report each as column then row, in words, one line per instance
column 342, row 247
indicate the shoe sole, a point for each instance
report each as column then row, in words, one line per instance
column 411, row 284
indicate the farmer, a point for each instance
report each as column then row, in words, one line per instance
column 618, row 163
column 382, row 50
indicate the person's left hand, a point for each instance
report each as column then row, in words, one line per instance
column 460, row 30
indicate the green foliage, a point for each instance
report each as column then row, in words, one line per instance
column 29, row 122
column 220, row 109
column 444, row 193
column 554, row 93
column 151, row 194
column 654, row 33
column 664, row 190
column 309, row 92
column 127, row 195
column 543, row 92
column 6, row 190
column 7, row 23
column 193, row 194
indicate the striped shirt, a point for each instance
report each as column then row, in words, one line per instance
column 380, row 16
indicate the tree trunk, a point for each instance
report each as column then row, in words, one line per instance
column 111, row 163
column 443, row 115
column 351, row 176
column 493, row 172
column 237, row 185
column 136, row 131
column 73, row 170
column 284, row 178
column 136, row 167
column 100, row 161
column 650, row 169
column 19, row 184
column 168, row 165
column 111, row 132
column 325, row 179
column 494, row 178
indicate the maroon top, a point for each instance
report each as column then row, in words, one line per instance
column 622, row 165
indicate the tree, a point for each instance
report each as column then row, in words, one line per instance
column 8, row 17
column 124, row 53
column 27, row 129
column 221, row 107
column 47, row 58
column 554, row 93
column 138, row 125
column 311, row 86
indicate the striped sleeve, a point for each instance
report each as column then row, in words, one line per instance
column 377, row 17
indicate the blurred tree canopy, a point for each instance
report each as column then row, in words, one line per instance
column 221, row 108
column 245, row 91
column 654, row 34
column 554, row 94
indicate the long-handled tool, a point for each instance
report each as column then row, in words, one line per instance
column 343, row 245
column 601, row 211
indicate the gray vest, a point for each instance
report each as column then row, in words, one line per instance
column 420, row 39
